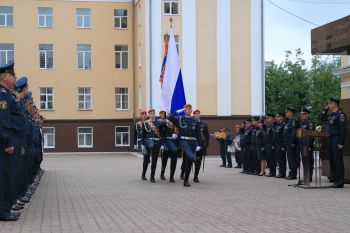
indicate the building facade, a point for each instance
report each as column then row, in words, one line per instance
column 93, row 65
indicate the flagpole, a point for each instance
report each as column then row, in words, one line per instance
column 171, row 22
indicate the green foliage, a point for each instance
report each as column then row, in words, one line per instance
column 292, row 84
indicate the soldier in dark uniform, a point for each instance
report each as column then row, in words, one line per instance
column 204, row 132
column 151, row 141
column 222, row 149
column 260, row 146
column 12, row 127
column 270, row 152
column 290, row 142
column 280, row 149
column 246, row 146
column 255, row 161
column 189, row 136
column 170, row 146
column 306, row 123
column 337, row 129
column 138, row 130
column 228, row 141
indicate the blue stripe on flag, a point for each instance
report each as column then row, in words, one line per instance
column 179, row 99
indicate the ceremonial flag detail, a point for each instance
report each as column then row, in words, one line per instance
column 172, row 90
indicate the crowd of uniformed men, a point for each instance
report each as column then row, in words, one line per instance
column 264, row 142
column 20, row 142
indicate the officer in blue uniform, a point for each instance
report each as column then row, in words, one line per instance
column 270, row 152
column 12, row 125
column 307, row 123
column 204, row 133
column 246, row 147
column 260, row 145
column 151, row 141
column 222, row 149
column 189, row 136
column 138, row 130
column 337, row 129
column 228, row 141
column 170, row 147
column 290, row 142
column 279, row 147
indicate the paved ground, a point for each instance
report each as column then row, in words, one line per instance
column 104, row 193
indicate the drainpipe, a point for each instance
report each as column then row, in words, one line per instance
column 133, row 61
column 150, row 54
column 262, row 59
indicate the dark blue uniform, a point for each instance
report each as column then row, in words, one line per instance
column 280, row 153
column 12, row 131
column 290, row 142
column 246, row 147
column 228, row 141
column 204, row 131
column 337, row 129
column 270, row 151
column 260, row 143
column 138, row 134
column 309, row 143
column 255, row 160
column 222, row 151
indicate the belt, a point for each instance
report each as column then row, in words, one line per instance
column 155, row 139
column 171, row 138
column 188, row 138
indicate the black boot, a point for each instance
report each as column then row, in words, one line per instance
column 171, row 179
column 162, row 177
column 182, row 175
column 152, row 179
column 186, row 184
column 195, row 179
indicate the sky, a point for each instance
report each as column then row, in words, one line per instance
column 286, row 32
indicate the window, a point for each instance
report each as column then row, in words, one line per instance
column 49, row 137
column 6, row 16
column 84, row 99
column 139, row 55
column 139, row 15
column 177, row 42
column 6, row 53
column 85, row 137
column 122, row 136
column 46, row 98
column 46, row 56
column 171, row 7
column 83, row 18
column 120, row 18
column 84, row 56
column 122, row 98
column 121, row 56
column 45, row 17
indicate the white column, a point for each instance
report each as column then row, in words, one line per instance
column 257, row 58
column 189, row 51
column 223, row 57
column 147, row 53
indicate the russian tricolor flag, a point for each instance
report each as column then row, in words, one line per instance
column 172, row 92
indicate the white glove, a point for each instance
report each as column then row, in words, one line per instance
column 180, row 111
column 162, row 148
column 174, row 136
column 135, row 147
column 143, row 148
column 198, row 148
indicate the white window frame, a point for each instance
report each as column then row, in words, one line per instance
column 6, row 15
column 7, row 51
column 46, row 101
column 45, row 17
column 171, row 7
column 83, row 19
column 46, row 58
column 177, row 43
column 120, row 20
column 121, row 57
column 84, row 58
column 84, row 101
column 45, row 138
column 121, row 102
column 121, row 134
column 92, row 137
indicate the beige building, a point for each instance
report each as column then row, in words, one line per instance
column 344, row 73
column 93, row 64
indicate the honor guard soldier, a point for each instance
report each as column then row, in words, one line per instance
column 270, row 152
column 246, row 147
column 290, row 142
column 337, row 129
column 204, row 133
column 260, row 146
column 255, row 161
column 170, row 146
column 189, row 136
column 221, row 141
column 151, row 141
column 306, row 123
column 138, row 129
column 280, row 149
column 12, row 128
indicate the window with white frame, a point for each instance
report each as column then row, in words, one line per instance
column 171, row 7
column 6, row 53
column 139, row 55
column 45, row 17
column 84, row 98
column 84, row 56
column 122, row 136
column 85, row 137
column 120, row 18
column 177, row 42
column 46, row 98
column 46, row 56
column 83, row 18
column 121, row 56
column 6, row 16
column 122, row 98
column 49, row 137
column 139, row 15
